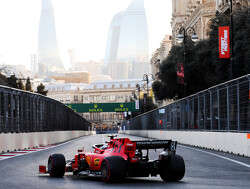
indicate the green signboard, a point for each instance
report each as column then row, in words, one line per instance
column 105, row 107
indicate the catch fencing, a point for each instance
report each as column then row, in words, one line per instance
column 225, row 107
column 22, row 111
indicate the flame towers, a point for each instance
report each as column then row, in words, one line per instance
column 49, row 61
column 127, row 45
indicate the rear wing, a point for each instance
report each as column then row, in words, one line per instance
column 168, row 145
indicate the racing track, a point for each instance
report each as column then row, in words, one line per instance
column 204, row 169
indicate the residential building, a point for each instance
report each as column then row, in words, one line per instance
column 160, row 54
column 224, row 5
column 192, row 13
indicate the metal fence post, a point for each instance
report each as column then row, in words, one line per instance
column 171, row 116
column 228, row 113
column 205, row 112
column 26, row 123
column 218, row 97
column 21, row 114
column 41, row 114
column 175, row 115
column 17, row 114
column 238, row 106
column 1, row 123
column 12, row 104
column 188, row 113
column 6, row 111
column 198, row 112
column 181, row 114
column 193, row 121
column 211, row 110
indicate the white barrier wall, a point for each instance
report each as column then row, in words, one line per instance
column 16, row 141
column 236, row 143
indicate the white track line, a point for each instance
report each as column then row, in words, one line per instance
column 23, row 152
column 32, row 150
column 222, row 157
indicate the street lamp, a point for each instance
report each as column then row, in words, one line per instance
column 139, row 90
column 182, row 37
column 145, row 78
column 231, row 41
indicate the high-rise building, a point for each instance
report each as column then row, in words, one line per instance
column 34, row 63
column 127, row 45
column 72, row 58
column 49, row 61
column 113, row 39
column 91, row 67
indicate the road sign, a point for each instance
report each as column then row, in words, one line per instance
column 104, row 107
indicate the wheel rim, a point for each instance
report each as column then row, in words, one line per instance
column 50, row 165
column 105, row 171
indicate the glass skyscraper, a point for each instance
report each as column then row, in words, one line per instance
column 127, row 45
column 49, row 61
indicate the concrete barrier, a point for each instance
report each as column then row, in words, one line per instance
column 236, row 143
column 18, row 141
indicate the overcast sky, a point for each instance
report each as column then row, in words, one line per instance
column 80, row 24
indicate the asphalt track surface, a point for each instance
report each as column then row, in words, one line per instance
column 204, row 169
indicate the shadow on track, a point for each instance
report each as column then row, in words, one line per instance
column 127, row 183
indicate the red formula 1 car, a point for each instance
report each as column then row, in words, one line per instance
column 121, row 158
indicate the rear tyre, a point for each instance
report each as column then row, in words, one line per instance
column 113, row 169
column 56, row 165
column 173, row 169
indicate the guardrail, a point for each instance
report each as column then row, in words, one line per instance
column 225, row 107
column 22, row 111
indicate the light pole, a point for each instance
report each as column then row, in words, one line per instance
column 139, row 90
column 183, row 38
column 145, row 78
column 231, row 41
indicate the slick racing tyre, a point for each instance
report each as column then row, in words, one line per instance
column 56, row 165
column 173, row 169
column 113, row 169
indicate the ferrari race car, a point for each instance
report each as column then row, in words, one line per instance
column 119, row 158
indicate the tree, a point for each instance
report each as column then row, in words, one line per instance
column 28, row 85
column 241, row 42
column 3, row 80
column 203, row 67
column 12, row 81
column 159, row 89
column 40, row 89
column 149, row 105
column 20, row 84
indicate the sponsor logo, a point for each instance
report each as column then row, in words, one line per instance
column 96, row 161
column 130, row 144
column 152, row 142
column 224, row 43
column 121, row 109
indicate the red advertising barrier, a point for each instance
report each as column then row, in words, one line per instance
column 224, row 42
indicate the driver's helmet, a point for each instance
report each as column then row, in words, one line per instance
column 104, row 147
